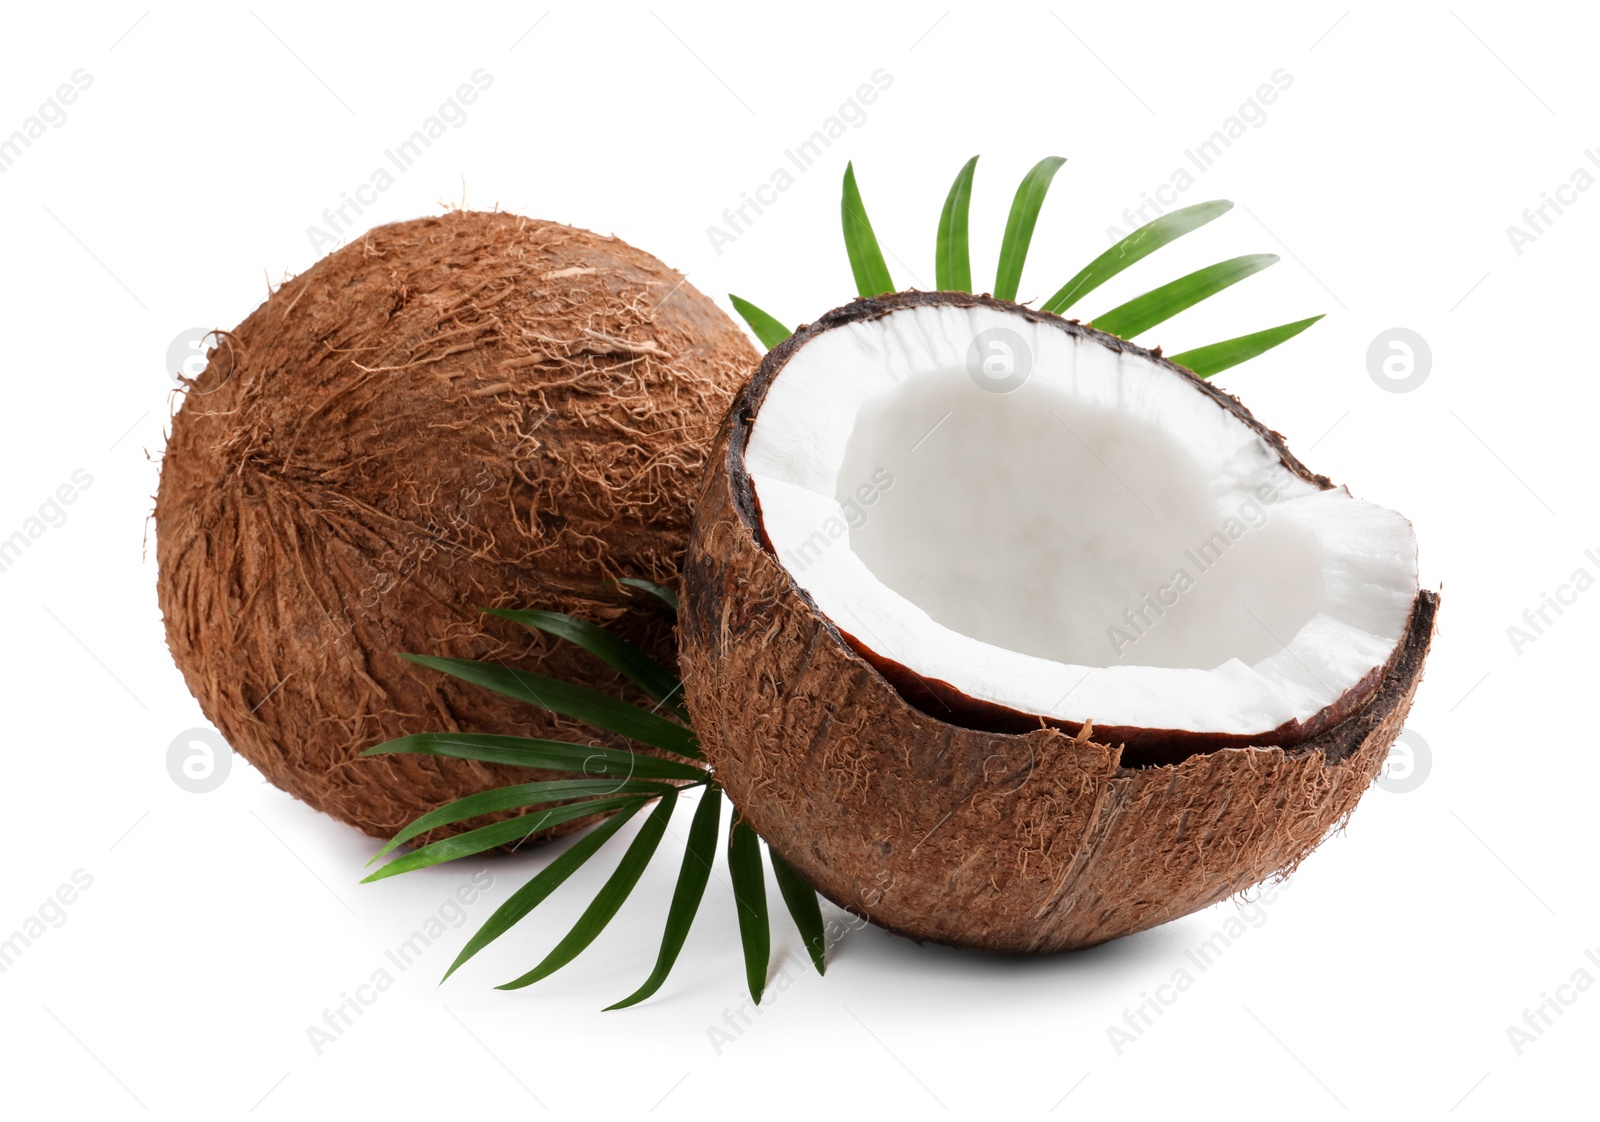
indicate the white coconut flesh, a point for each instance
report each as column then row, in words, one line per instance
column 1102, row 542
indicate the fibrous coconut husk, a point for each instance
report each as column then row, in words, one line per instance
column 950, row 825
column 476, row 410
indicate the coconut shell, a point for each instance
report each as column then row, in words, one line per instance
column 476, row 410
column 949, row 824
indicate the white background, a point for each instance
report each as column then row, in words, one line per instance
column 218, row 927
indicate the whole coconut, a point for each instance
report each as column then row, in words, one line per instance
column 477, row 410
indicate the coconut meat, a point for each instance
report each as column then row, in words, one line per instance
column 1067, row 530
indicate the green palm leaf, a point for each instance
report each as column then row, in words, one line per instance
column 801, row 899
column 661, row 591
column 500, row 833
column 1019, row 225
column 952, row 267
column 1161, row 304
column 521, row 794
column 659, row 683
column 609, row 899
column 750, row 898
column 1134, row 248
column 551, row 755
column 1208, row 360
column 590, row 706
column 550, row 878
column 866, row 259
column 698, row 855
column 767, row 328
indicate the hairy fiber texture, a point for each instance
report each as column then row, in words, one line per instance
column 476, row 410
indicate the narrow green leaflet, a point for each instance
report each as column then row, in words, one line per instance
column 657, row 681
column 550, row 878
column 552, row 755
column 692, row 877
column 1019, row 225
column 750, row 898
column 661, row 591
column 1161, row 304
column 609, row 899
column 1134, row 248
column 804, row 907
column 500, row 833
column 1208, row 360
column 866, row 259
column 952, row 265
column 521, row 794
column 766, row 327
column 590, row 706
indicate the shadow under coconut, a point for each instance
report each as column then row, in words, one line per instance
column 894, row 948
column 1115, row 963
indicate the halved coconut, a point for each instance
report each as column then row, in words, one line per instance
column 1005, row 632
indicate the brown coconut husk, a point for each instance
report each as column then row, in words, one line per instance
column 476, row 410
column 948, row 823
